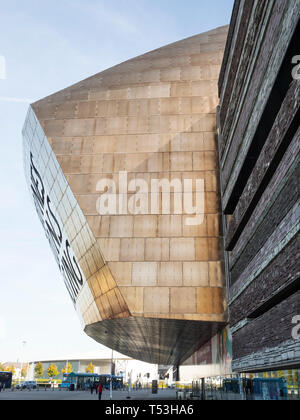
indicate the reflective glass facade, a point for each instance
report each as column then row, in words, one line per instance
column 65, row 226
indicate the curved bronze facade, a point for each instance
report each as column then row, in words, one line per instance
column 146, row 278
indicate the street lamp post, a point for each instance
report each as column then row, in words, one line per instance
column 22, row 355
column 111, row 374
column 129, row 384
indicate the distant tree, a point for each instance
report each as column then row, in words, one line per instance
column 2, row 368
column 24, row 371
column 67, row 369
column 11, row 369
column 90, row 368
column 39, row 370
column 52, row 371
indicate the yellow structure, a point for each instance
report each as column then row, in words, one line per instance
column 147, row 278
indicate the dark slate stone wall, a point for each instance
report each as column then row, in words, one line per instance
column 268, row 331
column 284, row 269
column 278, row 141
column 262, row 233
column 257, row 237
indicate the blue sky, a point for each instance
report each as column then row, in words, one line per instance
column 48, row 45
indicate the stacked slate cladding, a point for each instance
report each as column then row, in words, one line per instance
column 259, row 166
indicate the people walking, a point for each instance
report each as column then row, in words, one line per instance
column 100, row 389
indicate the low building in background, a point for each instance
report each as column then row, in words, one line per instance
column 122, row 365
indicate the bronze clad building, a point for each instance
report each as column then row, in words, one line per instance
column 123, row 169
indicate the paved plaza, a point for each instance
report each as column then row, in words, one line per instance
column 166, row 394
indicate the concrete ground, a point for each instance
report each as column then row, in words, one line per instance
column 166, row 394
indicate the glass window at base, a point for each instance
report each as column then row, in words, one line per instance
column 275, row 385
